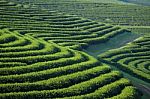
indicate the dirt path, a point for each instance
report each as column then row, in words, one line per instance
column 144, row 88
column 116, row 42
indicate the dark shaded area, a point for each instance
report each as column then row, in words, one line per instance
column 115, row 42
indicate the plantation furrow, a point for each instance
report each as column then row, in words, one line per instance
column 36, row 57
column 91, row 26
column 38, row 60
column 42, row 65
column 128, row 55
column 104, row 38
column 51, row 34
column 131, row 58
column 79, row 37
column 59, row 70
column 19, row 42
column 113, row 53
column 70, row 90
column 96, row 29
column 142, row 66
column 103, row 91
column 33, row 46
column 6, row 38
column 11, row 64
column 48, row 21
column 57, row 82
column 126, row 93
column 127, row 60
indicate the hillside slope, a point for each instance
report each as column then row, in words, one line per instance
column 66, row 30
column 32, row 68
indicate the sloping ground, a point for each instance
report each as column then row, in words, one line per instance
column 107, row 11
column 65, row 30
column 33, row 68
column 113, row 13
column 133, row 58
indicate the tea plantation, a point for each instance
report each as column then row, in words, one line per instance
column 42, row 51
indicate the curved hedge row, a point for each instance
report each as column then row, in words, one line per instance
column 31, row 67
column 54, row 26
column 39, row 69
column 133, row 58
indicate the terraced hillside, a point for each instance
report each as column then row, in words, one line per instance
column 106, row 11
column 65, row 30
column 112, row 12
column 133, row 58
column 33, row 68
column 38, row 60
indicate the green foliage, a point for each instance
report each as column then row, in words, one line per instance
column 54, row 26
column 133, row 58
column 32, row 66
column 52, row 71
